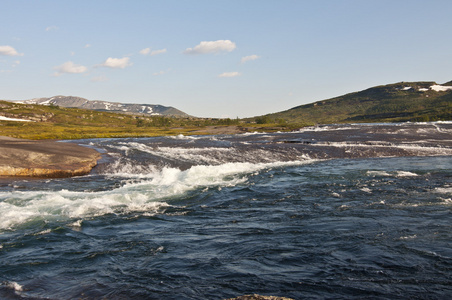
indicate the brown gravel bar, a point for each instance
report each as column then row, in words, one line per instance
column 19, row 157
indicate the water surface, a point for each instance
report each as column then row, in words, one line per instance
column 340, row 211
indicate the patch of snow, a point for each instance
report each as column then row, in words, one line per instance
column 47, row 102
column 407, row 88
column 2, row 118
column 423, row 90
column 440, row 88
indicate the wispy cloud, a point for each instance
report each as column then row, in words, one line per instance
column 249, row 58
column 9, row 51
column 229, row 74
column 206, row 47
column 87, row 45
column 70, row 68
column 147, row 51
column 116, row 63
column 51, row 28
column 161, row 72
column 156, row 52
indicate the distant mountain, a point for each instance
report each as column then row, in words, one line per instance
column 77, row 102
column 398, row 102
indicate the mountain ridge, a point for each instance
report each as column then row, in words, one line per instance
column 99, row 105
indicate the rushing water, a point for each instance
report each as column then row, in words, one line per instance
column 349, row 211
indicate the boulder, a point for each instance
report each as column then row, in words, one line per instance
column 19, row 157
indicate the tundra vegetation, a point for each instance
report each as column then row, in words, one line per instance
column 399, row 102
column 53, row 122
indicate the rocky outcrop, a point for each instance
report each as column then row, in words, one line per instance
column 45, row 158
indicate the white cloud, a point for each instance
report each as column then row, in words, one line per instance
column 212, row 47
column 87, row 45
column 155, row 52
column 10, row 51
column 69, row 67
column 229, row 74
column 147, row 51
column 249, row 58
column 116, row 63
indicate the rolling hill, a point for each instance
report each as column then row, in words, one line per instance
column 398, row 102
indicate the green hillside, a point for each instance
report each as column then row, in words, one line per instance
column 53, row 122
column 399, row 102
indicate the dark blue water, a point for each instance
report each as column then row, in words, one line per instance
column 329, row 212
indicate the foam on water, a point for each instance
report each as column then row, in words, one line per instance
column 325, row 128
column 22, row 207
column 209, row 155
column 151, row 194
column 414, row 148
column 443, row 190
column 391, row 174
column 14, row 286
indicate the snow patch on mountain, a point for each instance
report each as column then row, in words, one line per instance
column 440, row 88
column 78, row 102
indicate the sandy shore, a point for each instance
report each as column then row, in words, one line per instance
column 20, row 157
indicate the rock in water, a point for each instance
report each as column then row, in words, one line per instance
column 20, row 157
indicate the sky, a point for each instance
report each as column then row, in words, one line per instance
column 221, row 59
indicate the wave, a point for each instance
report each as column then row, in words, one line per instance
column 150, row 193
column 391, row 174
column 221, row 152
column 381, row 146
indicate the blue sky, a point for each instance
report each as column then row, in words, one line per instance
column 219, row 58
